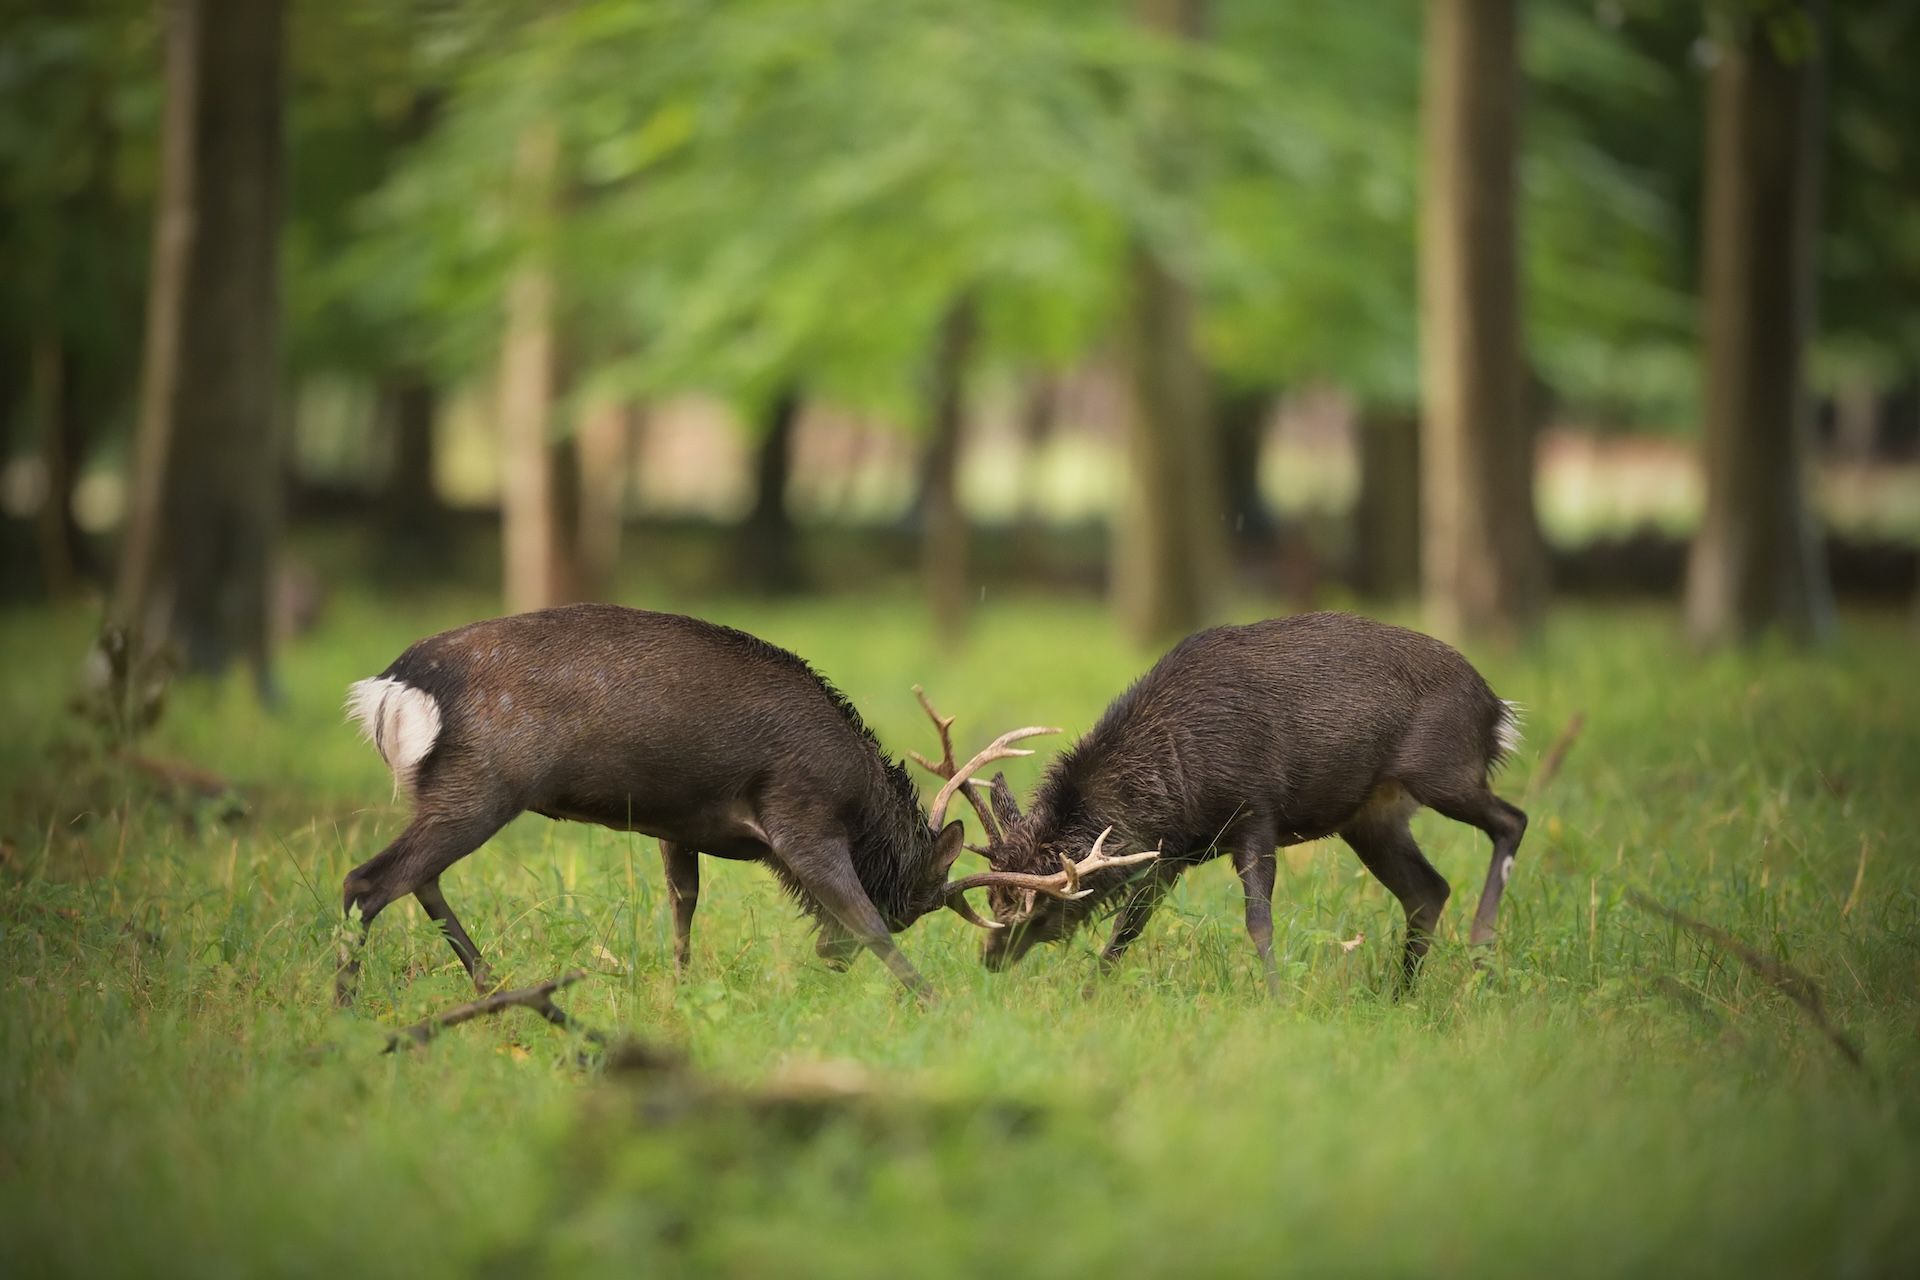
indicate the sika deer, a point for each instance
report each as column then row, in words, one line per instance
column 1242, row 739
column 708, row 738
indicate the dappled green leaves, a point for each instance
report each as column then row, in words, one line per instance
column 80, row 80
column 764, row 192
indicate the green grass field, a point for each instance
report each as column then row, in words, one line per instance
column 1613, row 1094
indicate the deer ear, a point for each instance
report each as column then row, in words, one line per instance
column 946, row 849
column 1005, row 808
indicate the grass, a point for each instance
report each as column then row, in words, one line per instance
column 1612, row 1095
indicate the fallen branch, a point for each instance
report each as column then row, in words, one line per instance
column 792, row 1107
column 1556, row 754
column 538, row 998
column 177, row 774
column 1685, row 996
column 1782, row 977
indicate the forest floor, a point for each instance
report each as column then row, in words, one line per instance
column 1615, row 1093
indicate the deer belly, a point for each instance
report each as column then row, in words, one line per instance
column 721, row 833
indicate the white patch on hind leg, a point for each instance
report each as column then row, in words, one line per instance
column 402, row 722
column 1506, row 870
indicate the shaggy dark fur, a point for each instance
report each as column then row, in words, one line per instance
column 709, row 738
column 1242, row 739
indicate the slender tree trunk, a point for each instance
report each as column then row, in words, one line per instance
column 1242, row 415
column 1169, row 544
column 538, row 472
column 766, row 557
column 943, row 529
column 1039, row 411
column 1169, row 549
column 409, row 406
column 414, row 519
column 1856, row 422
column 1387, row 513
column 1482, row 569
column 1757, row 562
column 605, row 449
column 563, row 464
column 205, row 510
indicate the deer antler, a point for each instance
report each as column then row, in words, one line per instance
column 945, row 769
column 1000, row 748
column 959, row 905
column 957, row 777
column 1064, row 883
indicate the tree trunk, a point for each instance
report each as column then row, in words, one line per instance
column 1757, row 562
column 409, row 405
column 1037, row 419
column 1169, row 552
column 1482, row 567
column 943, row 528
column 766, row 558
column 1169, row 547
column 1242, row 415
column 1387, row 512
column 605, row 449
column 205, row 505
column 538, row 470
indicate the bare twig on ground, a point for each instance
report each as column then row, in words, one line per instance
column 538, row 998
column 177, row 773
column 1782, row 977
column 1556, row 754
column 1685, row 996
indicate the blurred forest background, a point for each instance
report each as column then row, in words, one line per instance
column 1469, row 300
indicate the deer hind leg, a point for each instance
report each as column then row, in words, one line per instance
column 412, row 864
column 1380, row 836
column 1505, row 825
column 683, row 889
column 1254, row 860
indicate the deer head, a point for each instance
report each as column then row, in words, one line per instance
column 1022, row 888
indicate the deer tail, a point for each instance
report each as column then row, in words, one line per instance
column 402, row 722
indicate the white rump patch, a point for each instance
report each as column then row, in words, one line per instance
column 1506, row 731
column 402, row 722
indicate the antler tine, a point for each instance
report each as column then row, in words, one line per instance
column 1064, row 883
column 1051, row 885
column 959, row 905
column 944, row 722
column 1098, row 860
column 1000, row 748
column 942, row 725
column 945, row 769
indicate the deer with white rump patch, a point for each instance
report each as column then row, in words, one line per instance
column 708, row 738
column 1243, row 739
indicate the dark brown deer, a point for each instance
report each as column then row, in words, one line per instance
column 708, row 738
column 1243, row 739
